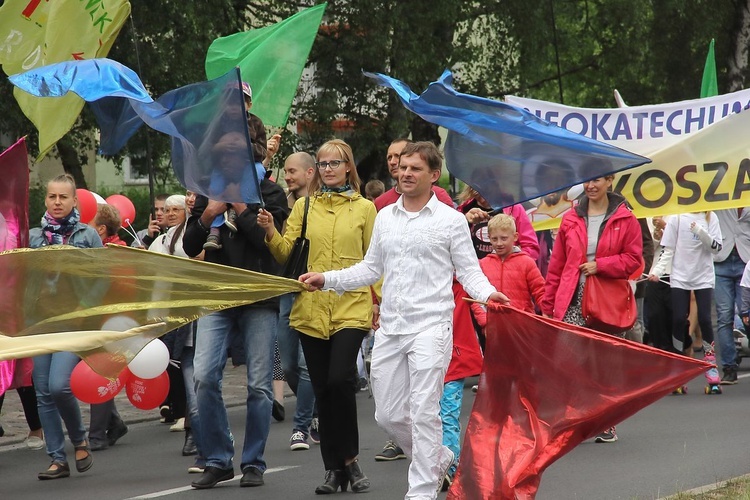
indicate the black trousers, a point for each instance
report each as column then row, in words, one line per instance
column 332, row 365
column 27, row 395
column 681, row 310
column 658, row 298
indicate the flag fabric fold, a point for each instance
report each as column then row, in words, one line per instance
column 197, row 117
column 504, row 152
column 14, row 193
column 106, row 303
column 35, row 34
column 709, row 82
column 271, row 60
column 546, row 386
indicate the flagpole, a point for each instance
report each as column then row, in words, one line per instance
column 149, row 161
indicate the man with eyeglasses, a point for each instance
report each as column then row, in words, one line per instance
column 416, row 245
column 392, row 195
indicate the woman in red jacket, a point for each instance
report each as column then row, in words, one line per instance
column 600, row 236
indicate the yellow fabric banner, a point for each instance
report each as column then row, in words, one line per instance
column 36, row 33
column 105, row 304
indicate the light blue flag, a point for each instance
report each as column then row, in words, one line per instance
column 207, row 121
column 505, row 153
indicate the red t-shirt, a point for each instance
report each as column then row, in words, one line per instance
column 391, row 196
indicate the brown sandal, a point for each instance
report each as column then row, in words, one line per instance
column 86, row 462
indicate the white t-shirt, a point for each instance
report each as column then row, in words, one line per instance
column 692, row 264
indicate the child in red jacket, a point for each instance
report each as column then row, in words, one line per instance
column 510, row 270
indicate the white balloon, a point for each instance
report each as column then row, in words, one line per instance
column 151, row 361
column 119, row 324
column 99, row 199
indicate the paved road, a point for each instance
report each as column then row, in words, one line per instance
column 680, row 442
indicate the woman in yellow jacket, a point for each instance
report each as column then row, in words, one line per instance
column 332, row 327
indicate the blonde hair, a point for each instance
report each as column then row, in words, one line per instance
column 502, row 222
column 64, row 179
column 467, row 193
column 337, row 146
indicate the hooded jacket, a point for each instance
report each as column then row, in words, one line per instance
column 619, row 251
column 517, row 277
column 339, row 227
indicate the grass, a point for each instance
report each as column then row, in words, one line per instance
column 734, row 489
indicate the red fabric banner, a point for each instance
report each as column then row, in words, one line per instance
column 14, row 196
column 547, row 386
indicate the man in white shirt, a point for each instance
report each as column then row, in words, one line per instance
column 416, row 246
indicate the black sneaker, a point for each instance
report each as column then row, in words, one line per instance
column 212, row 243
column 116, row 433
column 298, row 441
column 315, row 431
column 730, row 376
column 608, row 436
column 230, row 220
column 390, row 452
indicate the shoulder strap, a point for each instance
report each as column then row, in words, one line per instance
column 304, row 217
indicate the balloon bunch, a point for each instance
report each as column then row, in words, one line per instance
column 88, row 201
column 145, row 379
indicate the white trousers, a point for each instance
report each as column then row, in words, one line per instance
column 407, row 375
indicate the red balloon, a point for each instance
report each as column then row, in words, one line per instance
column 92, row 388
column 86, row 205
column 125, row 207
column 147, row 394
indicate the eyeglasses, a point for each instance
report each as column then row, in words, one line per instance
column 334, row 164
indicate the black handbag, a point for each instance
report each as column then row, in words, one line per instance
column 296, row 263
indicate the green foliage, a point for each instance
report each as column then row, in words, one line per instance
column 574, row 51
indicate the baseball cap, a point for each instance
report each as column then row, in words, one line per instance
column 247, row 90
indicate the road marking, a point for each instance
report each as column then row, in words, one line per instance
column 172, row 491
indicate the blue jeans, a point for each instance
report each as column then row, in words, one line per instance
column 258, row 328
column 295, row 367
column 727, row 294
column 450, row 416
column 191, row 402
column 56, row 401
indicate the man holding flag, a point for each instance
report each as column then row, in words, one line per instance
column 415, row 246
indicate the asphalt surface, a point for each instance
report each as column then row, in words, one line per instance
column 678, row 443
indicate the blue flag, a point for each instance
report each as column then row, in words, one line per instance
column 505, row 153
column 207, row 121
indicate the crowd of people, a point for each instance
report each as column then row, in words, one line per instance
column 400, row 262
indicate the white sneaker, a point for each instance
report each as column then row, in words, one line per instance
column 34, row 443
column 444, row 470
column 178, row 426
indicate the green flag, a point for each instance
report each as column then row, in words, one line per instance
column 271, row 60
column 709, row 85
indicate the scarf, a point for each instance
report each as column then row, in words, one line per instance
column 57, row 231
column 340, row 189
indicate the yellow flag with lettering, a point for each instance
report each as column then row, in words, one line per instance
column 36, row 33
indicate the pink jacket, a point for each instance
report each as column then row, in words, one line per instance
column 619, row 252
column 517, row 277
